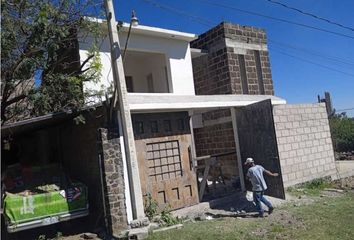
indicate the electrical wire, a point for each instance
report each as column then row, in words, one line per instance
column 314, row 63
column 311, row 15
column 229, row 7
column 346, row 109
column 209, row 24
column 192, row 17
column 314, row 53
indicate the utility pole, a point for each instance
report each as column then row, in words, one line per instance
column 121, row 90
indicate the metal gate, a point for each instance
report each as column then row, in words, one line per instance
column 257, row 139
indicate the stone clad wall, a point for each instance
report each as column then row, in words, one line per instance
column 112, row 164
column 304, row 142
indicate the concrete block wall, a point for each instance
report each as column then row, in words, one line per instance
column 304, row 142
column 219, row 72
column 218, row 139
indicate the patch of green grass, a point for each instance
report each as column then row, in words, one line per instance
column 328, row 218
column 312, row 188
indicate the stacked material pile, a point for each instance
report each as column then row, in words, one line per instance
column 40, row 192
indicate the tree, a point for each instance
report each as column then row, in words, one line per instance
column 342, row 130
column 41, row 71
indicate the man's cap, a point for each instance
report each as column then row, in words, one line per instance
column 249, row 160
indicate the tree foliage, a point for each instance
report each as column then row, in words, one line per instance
column 41, row 70
column 342, row 130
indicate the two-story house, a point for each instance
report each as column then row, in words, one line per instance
column 189, row 96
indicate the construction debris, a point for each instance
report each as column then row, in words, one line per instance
column 177, row 226
column 334, row 190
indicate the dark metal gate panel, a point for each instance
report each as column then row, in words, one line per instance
column 257, row 140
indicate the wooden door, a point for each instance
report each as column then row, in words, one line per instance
column 258, row 140
column 164, row 161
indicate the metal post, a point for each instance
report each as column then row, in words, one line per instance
column 120, row 86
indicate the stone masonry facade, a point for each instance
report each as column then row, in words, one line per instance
column 237, row 62
column 114, row 185
column 304, row 142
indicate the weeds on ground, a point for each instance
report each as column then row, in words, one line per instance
column 167, row 219
column 312, row 188
column 151, row 207
column 151, row 211
column 325, row 219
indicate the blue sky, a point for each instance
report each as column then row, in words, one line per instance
column 291, row 48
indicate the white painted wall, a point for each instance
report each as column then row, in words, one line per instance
column 177, row 53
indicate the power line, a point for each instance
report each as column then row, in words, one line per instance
column 274, row 18
column 346, row 109
column 314, row 63
column 208, row 23
column 312, row 52
column 194, row 18
column 311, row 15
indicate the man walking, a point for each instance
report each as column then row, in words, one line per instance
column 255, row 175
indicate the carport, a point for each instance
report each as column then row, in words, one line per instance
column 54, row 144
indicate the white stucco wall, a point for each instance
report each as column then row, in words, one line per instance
column 177, row 53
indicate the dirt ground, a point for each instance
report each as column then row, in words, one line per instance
column 345, row 183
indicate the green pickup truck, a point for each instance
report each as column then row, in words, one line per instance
column 41, row 195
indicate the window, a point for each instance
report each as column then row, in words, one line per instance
column 167, row 125
column 129, row 83
column 154, row 127
column 164, row 160
column 241, row 62
column 180, row 124
column 167, row 82
column 259, row 72
column 150, row 83
column 139, row 127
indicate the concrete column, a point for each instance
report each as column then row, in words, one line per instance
column 120, row 87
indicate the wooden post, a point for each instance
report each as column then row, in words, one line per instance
column 193, row 150
column 238, row 150
column 205, row 179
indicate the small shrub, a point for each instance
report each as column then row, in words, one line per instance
column 167, row 219
column 151, row 207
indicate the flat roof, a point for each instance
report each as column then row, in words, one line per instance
column 164, row 102
column 146, row 103
column 152, row 31
column 160, row 32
